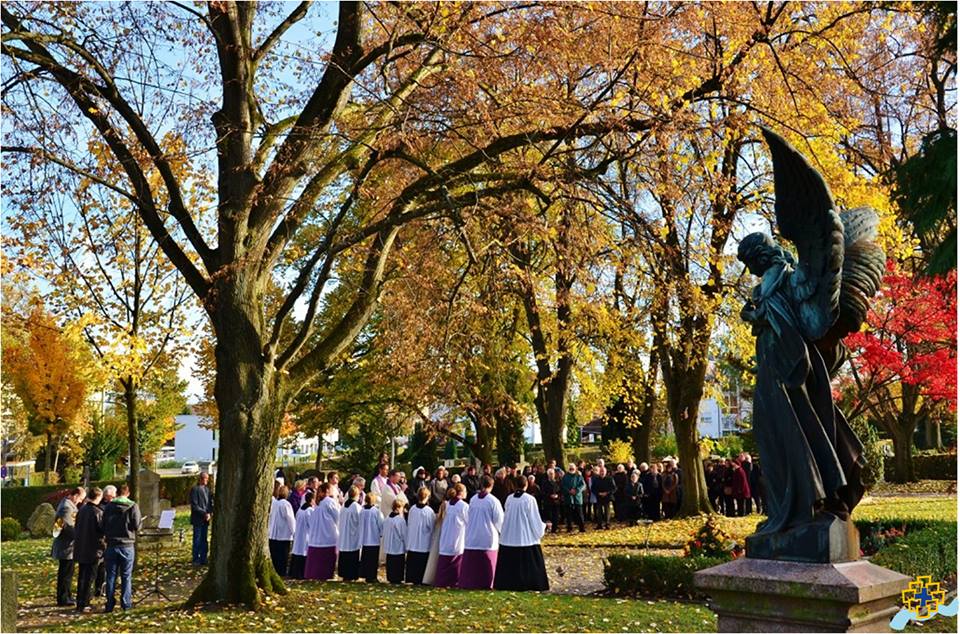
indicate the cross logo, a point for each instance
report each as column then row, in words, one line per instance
column 922, row 597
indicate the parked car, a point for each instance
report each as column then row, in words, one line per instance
column 190, row 467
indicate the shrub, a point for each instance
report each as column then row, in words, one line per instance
column 619, row 452
column 931, row 551
column 72, row 475
column 9, row 529
column 938, row 466
column 655, row 575
column 663, row 446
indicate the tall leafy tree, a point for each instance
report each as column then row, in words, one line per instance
column 47, row 373
column 905, row 366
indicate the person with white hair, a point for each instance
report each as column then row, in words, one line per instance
column 572, row 486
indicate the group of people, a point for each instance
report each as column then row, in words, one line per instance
column 735, row 486
column 433, row 531
column 96, row 530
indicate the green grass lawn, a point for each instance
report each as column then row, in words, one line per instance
column 356, row 607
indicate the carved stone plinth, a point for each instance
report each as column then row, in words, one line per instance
column 763, row 595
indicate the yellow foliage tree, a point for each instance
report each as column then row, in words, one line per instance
column 46, row 373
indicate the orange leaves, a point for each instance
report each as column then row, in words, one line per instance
column 45, row 370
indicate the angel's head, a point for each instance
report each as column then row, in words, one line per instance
column 759, row 252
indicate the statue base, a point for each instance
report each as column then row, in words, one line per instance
column 763, row 595
column 827, row 539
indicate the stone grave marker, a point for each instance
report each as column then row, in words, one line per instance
column 40, row 523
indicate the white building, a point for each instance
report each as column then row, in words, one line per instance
column 195, row 440
column 716, row 420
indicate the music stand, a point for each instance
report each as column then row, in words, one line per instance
column 157, row 536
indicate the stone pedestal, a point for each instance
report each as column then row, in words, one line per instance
column 8, row 603
column 826, row 539
column 763, row 595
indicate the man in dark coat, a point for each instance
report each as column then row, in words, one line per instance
column 747, row 466
column 651, row 492
column 88, row 545
column 471, row 480
column 201, row 510
column 620, row 478
column 604, row 487
column 62, row 549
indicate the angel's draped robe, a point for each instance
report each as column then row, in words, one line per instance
column 810, row 457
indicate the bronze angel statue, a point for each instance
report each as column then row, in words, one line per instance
column 800, row 312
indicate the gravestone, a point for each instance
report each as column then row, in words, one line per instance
column 8, row 601
column 41, row 520
column 150, row 502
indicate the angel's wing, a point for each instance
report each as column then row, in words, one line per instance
column 863, row 267
column 806, row 216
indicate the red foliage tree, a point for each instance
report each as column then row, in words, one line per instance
column 905, row 362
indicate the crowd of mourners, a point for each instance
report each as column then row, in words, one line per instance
column 479, row 528
column 475, row 529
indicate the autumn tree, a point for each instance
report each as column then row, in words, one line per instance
column 46, row 371
column 905, row 362
column 92, row 249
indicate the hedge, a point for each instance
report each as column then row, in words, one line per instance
column 19, row 502
column 931, row 551
column 655, row 575
column 939, row 466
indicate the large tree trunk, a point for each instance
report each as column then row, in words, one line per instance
column 509, row 438
column 133, row 436
column 250, row 410
column 684, row 368
column 902, row 455
column 551, row 402
column 483, row 448
column 640, row 438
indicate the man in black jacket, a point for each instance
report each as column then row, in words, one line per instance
column 121, row 521
column 62, row 549
column 201, row 510
column 471, row 480
column 651, row 492
column 88, row 545
column 604, row 488
column 620, row 478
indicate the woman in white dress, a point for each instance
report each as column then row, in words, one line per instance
column 520, row 564
column 430, row 574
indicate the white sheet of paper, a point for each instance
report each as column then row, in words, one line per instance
column 166, row 518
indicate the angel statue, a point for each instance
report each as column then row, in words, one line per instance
column 800, row 312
